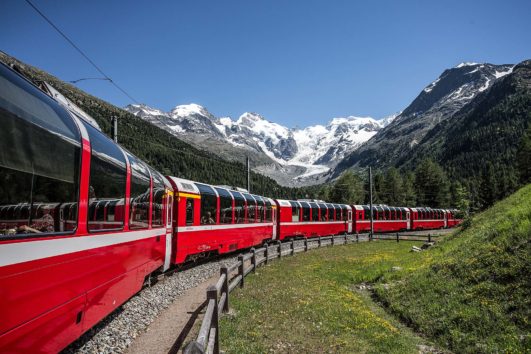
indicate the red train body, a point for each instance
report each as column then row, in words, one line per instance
column 211, row 219
column 304, row 218
column 83, row 222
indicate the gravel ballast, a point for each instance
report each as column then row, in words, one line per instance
column 118, row 330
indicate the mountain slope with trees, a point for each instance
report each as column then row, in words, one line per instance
column 480, row 146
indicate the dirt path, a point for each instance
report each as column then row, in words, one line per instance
column 168, row 332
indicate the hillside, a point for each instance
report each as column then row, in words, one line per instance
column 159, row 148
column 472, row 292
column 472, row 129
column 436, row 103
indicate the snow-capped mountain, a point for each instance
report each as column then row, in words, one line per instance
column 275, row 149
column 451, row 92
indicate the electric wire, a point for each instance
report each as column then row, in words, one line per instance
column 80, row 51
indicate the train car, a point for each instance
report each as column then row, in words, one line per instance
column 82, row 222
column 453, row 217
column 215, row 220
column 308, row 218
column 428, row 219
column 385, row 218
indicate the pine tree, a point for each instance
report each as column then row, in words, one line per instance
column 393, row 192
column 431, row 185
column 408, row 183
column 348, row 189
column 523, row 158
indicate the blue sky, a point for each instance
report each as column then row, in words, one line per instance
column 295, row 62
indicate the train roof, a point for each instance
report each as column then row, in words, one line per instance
column 188, row 186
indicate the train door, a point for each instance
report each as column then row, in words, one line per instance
column 169, row 219
column 349, row 222
column 274, row 219
column 408, row 218
column 445, row 219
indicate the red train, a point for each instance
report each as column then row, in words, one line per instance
column 83, row 221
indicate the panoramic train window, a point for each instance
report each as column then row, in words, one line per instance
column 338, row 212
column 260, row 208
column 295, row 211
column 139, row 194
column 251, row 207
column 107, row 183
column 269, row 211
column 159, row 190
column 324, row 211
column 239, row 207
column 306, row 211
column 209, row 202
column 331, row 212
column 39, row 161
column 225, row 206
column 315, row 212
column 190, row 204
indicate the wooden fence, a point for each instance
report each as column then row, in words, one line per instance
column 207, row 340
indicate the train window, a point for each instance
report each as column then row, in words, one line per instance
column 239, row 207
column 269, row 211
column 209, row 201
column 139, row 194
column 159, row 191
column 331, row 212
column 260, row 208
column 39, row 161
column 315, row 212
column 306, row 211
column 225, row 206
column 190, row 211
column 251, row 207
column 324, row 212
column 337, row 210
column 295, row 211
column 107, row 183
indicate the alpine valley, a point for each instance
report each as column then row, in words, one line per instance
column 293, row 157
column 319, row 153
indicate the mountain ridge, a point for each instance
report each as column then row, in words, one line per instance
column 287, row 154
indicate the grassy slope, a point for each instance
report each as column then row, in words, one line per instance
column 309, row 303
column 472, row 293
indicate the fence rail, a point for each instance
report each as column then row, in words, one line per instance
column 207, row 340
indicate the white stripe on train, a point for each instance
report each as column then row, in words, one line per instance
column 13, row 253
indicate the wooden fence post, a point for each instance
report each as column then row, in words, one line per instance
column 292, row 247
column 266, row 253
column 253, row 259
column 397, row 237
column 212, row 294
column 225, row 288
column 305, row 245
column 319, row 242
column 333, row 240
column 429, row 237
column 279, row 249
column 241, row 269
column 346, row 239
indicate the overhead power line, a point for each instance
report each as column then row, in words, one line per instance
column 89, row 78
column 106, row 77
